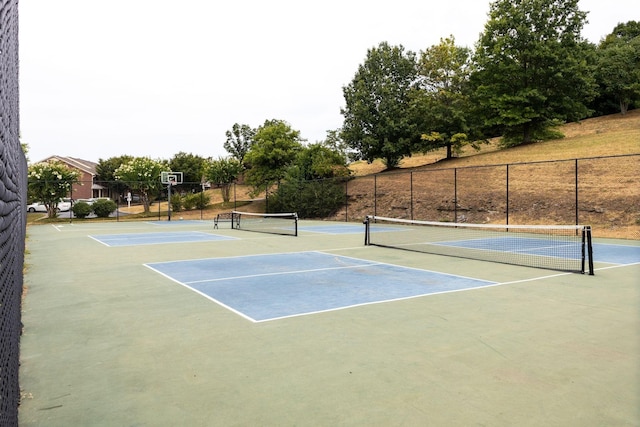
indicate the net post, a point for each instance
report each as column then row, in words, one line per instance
column 589, row 250
column 367, row 220
column 295, row 222
column 235, row 220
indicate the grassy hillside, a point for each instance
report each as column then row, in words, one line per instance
column 600, row 136
column 609, row 190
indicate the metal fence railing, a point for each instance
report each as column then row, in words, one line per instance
column 599, row 191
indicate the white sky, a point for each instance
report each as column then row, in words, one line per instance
column 100, row 79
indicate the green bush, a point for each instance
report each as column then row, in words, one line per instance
column 310, row 199
column 82, row 209
column 202, row 200
column 104, row 207
column 196, row 201
column 188, row 202
column 176, row 202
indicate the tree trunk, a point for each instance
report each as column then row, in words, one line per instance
column 624, row 107
column 526, row 134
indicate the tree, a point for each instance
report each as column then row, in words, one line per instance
column 105, row 174
column 274, row 149
column 618, row 70
column 444, row 70
column 334, row 141
column 314, row 184
column 224, row 172
column 380, row 115
column 531, row 69
column 48, row 182
column 239, row 141
column 142, row 175
column 192, row 168
column 318, row 161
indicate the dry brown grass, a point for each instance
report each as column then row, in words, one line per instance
column 601, row 136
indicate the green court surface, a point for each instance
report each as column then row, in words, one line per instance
column 125, row 325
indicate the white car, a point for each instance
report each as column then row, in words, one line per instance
column 92, row 200
column 39, row 207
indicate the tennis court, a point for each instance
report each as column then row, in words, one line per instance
column 270, row 287
column 175, row 323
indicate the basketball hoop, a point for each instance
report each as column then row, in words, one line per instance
column 171, row 178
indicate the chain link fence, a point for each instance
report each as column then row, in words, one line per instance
column 601, row 191
column 13, row 180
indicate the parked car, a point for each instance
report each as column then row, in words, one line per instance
column 63, row 206
column 92, row 200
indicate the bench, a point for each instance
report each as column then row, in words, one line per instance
column 222, row 217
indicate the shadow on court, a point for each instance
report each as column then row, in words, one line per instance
column 136, row 324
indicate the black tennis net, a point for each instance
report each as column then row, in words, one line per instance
column 274, row 223
column 555, row 247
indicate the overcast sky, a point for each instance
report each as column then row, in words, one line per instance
column 100, row 79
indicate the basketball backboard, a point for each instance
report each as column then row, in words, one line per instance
column 171, row 178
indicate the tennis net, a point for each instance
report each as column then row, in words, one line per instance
column 555, row 247
column 274, row 223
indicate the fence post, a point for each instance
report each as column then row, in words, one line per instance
column 346, row 200
column 375, row 195
column 455, row 194
column 576, row 176
column 507, row 207
column 411, row 192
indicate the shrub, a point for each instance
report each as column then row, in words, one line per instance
column 82, row 209
column 176, row 202
column 188, row 202
column 104, row 207
column 196, row 201
column 202, row 200
column 310, row 199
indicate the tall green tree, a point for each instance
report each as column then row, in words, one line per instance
column 142, row 176
column 192, row 168
column 239, row 141
column 48, row 182
column 334, row 141
column 444, row 71
column 314, row 184
column 618, row 68
column 223, row 172
column 379, row 114
column 105, row 175
column 274, row 149
column 318, row 161
column 531, row 68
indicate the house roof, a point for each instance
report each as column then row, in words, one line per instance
column 81, row 164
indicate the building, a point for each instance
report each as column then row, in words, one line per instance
column 87, row 187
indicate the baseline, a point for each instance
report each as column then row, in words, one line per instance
column 136, row 239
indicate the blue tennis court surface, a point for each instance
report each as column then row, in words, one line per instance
column 178, row 221
column 531, row 246
column 133, row 239
column 616, row 254
column 342, row 229
column 602, row 252
column 333, row 229
column 268, row 287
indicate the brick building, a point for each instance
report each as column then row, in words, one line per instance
column 87, row 187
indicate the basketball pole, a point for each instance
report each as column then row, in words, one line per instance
column 169, row 200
